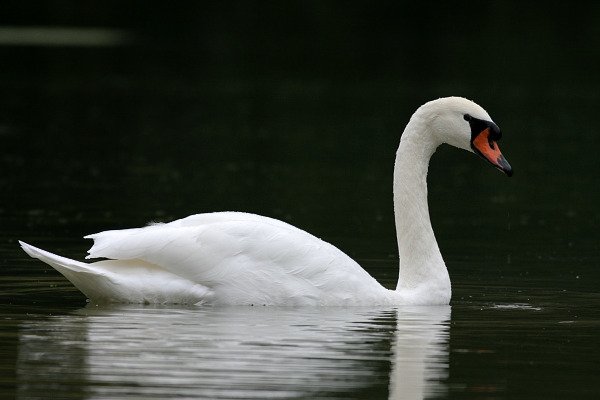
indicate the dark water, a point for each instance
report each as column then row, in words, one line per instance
column 295, row 112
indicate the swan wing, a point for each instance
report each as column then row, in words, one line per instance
column 245, row 259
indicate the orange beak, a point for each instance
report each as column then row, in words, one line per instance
column 488, row 149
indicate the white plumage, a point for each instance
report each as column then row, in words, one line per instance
column 233, row 258
column 220, row 258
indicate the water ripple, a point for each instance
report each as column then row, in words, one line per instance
column 235, row 352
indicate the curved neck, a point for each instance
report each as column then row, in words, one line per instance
column 422, row 268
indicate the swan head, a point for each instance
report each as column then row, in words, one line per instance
column 464, row 124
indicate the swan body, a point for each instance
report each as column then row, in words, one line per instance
column 220, row 258
column 234, row 258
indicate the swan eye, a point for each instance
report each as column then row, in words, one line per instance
column 468, row 117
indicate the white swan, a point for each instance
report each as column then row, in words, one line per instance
column 244, row 259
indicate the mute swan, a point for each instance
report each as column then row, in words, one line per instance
column 233, row 258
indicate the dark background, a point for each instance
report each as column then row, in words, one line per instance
column 294, row 110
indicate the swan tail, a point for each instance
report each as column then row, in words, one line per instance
column 63, row 265
column 123, row 281
column 80, row 274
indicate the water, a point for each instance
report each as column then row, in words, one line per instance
column 474, row 349
column 235, row 352
column 191, row 115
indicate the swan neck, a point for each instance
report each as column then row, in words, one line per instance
column 421, row 267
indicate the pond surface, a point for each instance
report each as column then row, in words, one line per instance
column 228, row 108
column 470, row 350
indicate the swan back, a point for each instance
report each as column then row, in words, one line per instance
column 246, row 259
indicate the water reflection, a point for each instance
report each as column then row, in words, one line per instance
column 420, row 353
column 236, row 352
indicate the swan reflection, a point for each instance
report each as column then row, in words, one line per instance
column 236, row 352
